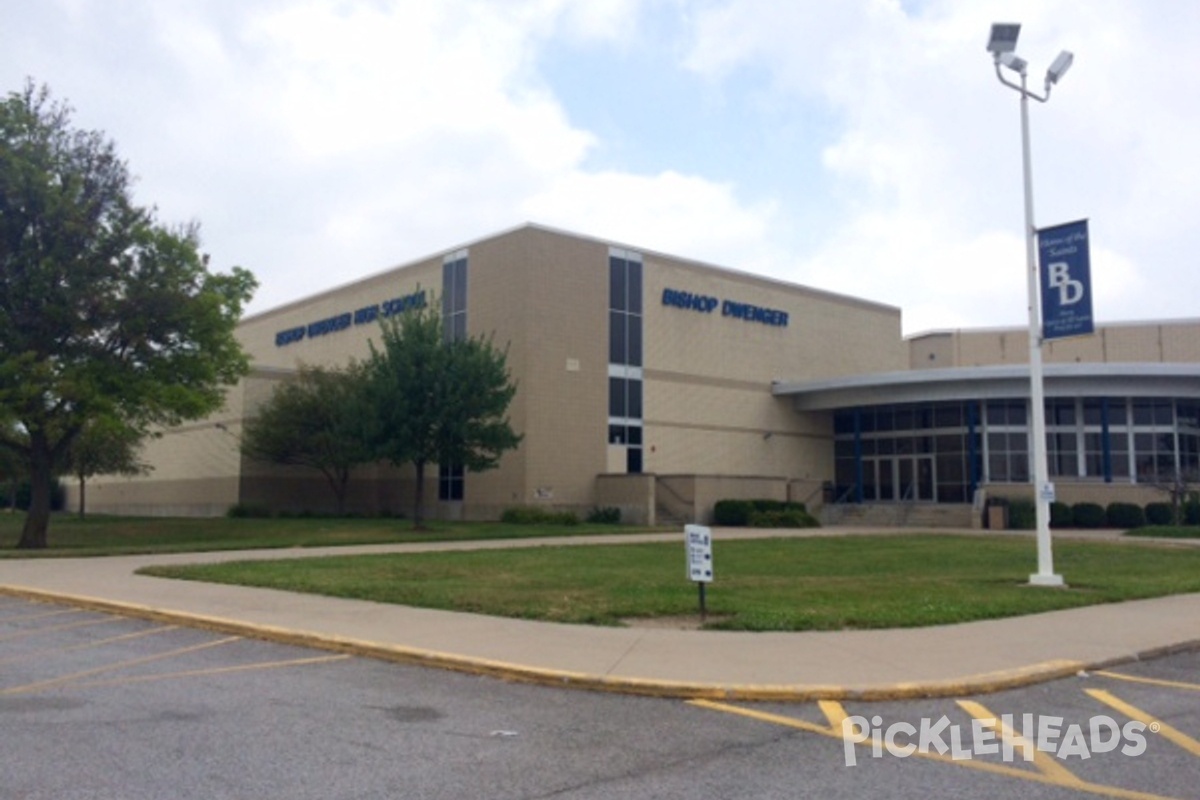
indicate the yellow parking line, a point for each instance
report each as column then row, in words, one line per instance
column 65, row 627
column 42, row 615
column 982, row 766
column 1195, row 687
column 1047, row 764
column 1156, row 726
column 97, row 643
column 196, row 673
column 763, row 716
column 33, row 687
column 835, row 713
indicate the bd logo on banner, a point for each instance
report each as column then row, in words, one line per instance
column 1065, row 266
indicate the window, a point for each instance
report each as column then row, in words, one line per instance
column 450, row 482
column 454, row 297
column 625, row 355
column 454, row 329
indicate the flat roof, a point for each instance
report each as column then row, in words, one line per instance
column 1001, row 381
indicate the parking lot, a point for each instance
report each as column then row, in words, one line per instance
column 98, row 706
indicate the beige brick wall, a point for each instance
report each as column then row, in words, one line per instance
column 708, row 407
column 544, row 296
column 1175, row 341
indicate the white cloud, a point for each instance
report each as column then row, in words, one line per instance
column 926, row 164
column 668, row 212
column 322, row 140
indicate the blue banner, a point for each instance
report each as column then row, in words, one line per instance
column 1065, row 266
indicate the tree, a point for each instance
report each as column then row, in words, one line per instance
column 103, row 311
column 435, row 401
column 314, row 420
column 10, row 475
column 105, row 446
column 1180, row 485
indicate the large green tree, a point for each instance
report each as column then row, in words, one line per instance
column 436, row 401
column 314, row 420
column 104, row 312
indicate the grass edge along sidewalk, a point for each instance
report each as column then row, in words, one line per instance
column 820, row 583
column 71, row 537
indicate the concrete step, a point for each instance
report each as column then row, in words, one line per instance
column 900, row 515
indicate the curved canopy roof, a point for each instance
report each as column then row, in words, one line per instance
column 984, row 383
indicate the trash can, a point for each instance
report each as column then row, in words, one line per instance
column 997, row 516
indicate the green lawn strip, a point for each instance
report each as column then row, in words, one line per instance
column 772, row 584
column 1167, row 531
column 105, row 536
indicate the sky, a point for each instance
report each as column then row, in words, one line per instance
column 863, row 147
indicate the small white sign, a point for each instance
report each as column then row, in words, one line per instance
column 1047, row 493
column 699, row 553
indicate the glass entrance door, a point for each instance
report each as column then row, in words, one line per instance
column 915, row 478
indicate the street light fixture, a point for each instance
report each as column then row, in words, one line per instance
column 1001, row 44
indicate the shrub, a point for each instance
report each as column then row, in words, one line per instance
column 737, row 513
column 1160, row 514
column 783, row 518
column 609, row 515
column 247, row 511
column 58, row 496
column 1088, row 515
column 1191, row 513
column 1125, row 515
column 533, row 515
column 1022, row 515
column 732, row 513
column 1061, row 516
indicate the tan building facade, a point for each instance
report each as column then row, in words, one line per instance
column 661, row 385
column 686, row 401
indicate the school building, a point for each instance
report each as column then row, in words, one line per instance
column 660, row 385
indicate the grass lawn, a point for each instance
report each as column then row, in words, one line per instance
column 772, row 584
column 104, row 536
column 1167, row 531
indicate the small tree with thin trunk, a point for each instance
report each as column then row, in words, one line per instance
column 314, row 420
column 105, row 446
column 437, row 402
column 1180, row 486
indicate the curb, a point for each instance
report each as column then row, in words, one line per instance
column 986, row 683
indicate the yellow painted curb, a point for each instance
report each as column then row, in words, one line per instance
column 520, row 673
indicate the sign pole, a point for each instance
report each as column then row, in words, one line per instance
column 700, row 561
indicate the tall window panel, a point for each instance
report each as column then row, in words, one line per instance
column 625, row 355
column 454, row 296
column 451, row 477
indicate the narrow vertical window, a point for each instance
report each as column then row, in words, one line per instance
column 451, row 477
column 625, row 355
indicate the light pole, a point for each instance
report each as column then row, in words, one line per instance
column 1001, row 44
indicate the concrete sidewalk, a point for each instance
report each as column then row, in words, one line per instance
column 959, row 659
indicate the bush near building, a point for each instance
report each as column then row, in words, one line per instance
column 1160, row 514
column 1061, row 515
column 1022, row 515
column 1125, row 515
column 607, row 515
column 1088, row 515
column 532, row 515
column 737, row 513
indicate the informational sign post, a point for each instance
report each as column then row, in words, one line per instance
column 699, row 559
column 1065, row 265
